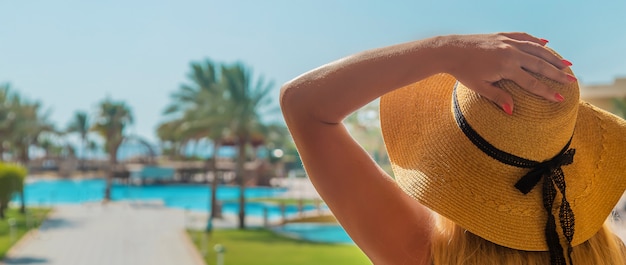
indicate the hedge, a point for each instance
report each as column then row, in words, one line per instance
column 11, row 183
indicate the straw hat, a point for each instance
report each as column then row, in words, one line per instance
column 485, row 170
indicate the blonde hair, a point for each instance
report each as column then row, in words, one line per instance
column 453, row 245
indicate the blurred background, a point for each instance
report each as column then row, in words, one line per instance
column 168, row 111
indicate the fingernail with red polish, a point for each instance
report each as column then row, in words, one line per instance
column 544, row 41
column 571, row 78
column 559, row 97
column 566, row 62
column 507, row 108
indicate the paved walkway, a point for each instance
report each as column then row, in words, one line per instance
column 127, row 233
column 119, row 233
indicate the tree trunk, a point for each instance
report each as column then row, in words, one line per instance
column 110, row 173
column 240, row 173
column 24, row 155
column 22, row 200
column 214, row 184
column 1, row 151
column 81, row 160
column 214, row 208
column 109, row 180
column 2, row 208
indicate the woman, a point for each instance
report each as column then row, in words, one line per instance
column 505, row 166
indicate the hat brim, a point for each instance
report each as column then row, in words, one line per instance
column 434, row 162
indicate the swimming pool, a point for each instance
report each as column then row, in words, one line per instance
column 189, row 197
column 315, row 232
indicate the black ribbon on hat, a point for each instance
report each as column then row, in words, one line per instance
column 552, row 174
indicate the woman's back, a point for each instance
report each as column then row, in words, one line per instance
column 535, row 173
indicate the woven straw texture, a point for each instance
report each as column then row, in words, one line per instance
column 434, row 162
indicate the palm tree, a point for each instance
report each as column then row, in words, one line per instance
column 170, row 139
column 208, row 121
column 199, row 112
column 80, row 124
column 113, row 117
column 191, row 97
column 21, row 123
column 217, row 107
column 47, row 145
column 28, row 125
column 7, row 115
column 92, row 146
column 246, row 100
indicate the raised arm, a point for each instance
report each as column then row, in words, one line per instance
column 388, row 225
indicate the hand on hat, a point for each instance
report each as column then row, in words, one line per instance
column 481, row 60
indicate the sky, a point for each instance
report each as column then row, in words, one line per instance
column 71, row 54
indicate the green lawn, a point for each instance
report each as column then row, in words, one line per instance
column 37, row 216
column 263, row 247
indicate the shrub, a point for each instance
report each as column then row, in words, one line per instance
column 11, row 182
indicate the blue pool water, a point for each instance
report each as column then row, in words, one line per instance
column 190, row 197
column 326, row 233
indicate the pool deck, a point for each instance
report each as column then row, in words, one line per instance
column 120, row 233
column 126, row 233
